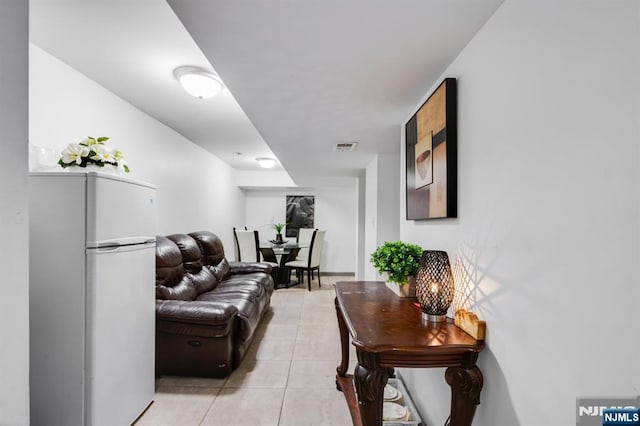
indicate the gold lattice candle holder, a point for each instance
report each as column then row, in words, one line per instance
column 434, row 285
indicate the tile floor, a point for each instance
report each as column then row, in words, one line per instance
column 286, row 378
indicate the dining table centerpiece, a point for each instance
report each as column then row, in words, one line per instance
column 278, row 228
column 92, row 153
column 399, row 261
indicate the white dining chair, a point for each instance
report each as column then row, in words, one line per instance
column 247, row 245
column 304, row 238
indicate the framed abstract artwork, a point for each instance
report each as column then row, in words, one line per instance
column 431, row 156
column 300, row 213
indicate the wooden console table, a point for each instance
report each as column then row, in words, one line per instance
column 387, row 332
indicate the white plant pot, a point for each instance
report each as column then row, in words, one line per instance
column 403, row 290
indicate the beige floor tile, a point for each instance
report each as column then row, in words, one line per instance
column 326, row 304
column 288, row 294
column 272, row 349
column 292, row 300
column 314, row 407
column 259, row 374
column 314, row 285
column 319, row 315
column 294, row 307
column 277, row 331
column 179, row 406
column 285, row 318
column 312, row 374
column 199, row 382
column 239, row 407
column 321, row 300
column 317, row 349
column 323, row 329
column 327, row 290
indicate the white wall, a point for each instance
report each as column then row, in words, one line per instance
column 546, row 246
column 335, row 212
column 14, row 223
column 370, row 217
column 388, row 198
column 196, row 190
column 381, row 207
column 361, row 258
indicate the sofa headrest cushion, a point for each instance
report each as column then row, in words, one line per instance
column 201, row 278
column 169, row 269
column 210, row 246
column 171, row 280
column 191, row 256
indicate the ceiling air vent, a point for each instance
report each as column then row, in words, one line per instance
column 346, row 146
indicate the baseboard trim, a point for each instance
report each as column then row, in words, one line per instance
column 351, row 274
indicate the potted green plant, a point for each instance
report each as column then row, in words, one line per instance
column 400, row 262
column 278, row 227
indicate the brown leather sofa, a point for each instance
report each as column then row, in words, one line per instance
column 207, row 309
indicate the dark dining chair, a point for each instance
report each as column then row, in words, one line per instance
column 285, row 270
column 312, row 262
column 269, row 256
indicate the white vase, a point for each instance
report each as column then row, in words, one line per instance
column 42, row 159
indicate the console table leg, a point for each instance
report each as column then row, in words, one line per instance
column 344, row 345
column 466, row 384
column 370, row 380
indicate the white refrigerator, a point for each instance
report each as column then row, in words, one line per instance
column 92, row 298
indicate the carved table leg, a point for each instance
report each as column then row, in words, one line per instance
column 370, row 380
column 466, row 384
column 344, row 345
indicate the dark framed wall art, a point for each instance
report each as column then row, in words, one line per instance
column 300, row 213
column 432, row 156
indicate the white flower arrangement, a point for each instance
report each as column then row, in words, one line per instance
column 92, row 151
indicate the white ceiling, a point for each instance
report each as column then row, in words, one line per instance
column 308, row 74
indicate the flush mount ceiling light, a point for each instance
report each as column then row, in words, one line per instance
column 198, row 82
column 266, row 162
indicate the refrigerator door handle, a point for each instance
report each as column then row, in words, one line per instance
column 108, row 246
column 121, row 242
column 113, row 247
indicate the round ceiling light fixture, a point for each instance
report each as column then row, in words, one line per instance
column 198, row 82
column 266, row 162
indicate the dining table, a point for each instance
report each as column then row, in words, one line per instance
column 283, row 253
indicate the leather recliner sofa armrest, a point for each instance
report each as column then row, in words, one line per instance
column 197, row 313
column 248, row 267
